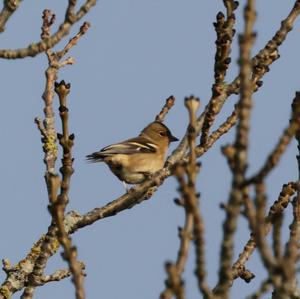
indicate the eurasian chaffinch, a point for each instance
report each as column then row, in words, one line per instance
column 133, row 160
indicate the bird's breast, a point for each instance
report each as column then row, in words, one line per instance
column 134, row 169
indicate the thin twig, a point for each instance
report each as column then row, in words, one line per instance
column 260, row 62
column 73, row 41
column 64, row 29
column 260, row 229
column 214, row 136
column 174, row 282
column 269, row 53
column 8, row 9
column 277, row 240
column 276, row 154
column 165, row 109
column 58, row 206
column 276, row 209
column 225, row 33
column 192, row 200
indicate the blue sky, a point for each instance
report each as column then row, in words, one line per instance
column 135, row 55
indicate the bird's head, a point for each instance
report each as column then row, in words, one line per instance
column 159, row 133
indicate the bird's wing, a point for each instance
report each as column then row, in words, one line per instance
column 127, row 147
column 130, row 146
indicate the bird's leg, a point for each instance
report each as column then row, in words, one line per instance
column 125, row 186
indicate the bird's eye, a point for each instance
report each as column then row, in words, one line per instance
column 162, row 134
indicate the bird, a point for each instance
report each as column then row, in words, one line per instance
column 136, row 159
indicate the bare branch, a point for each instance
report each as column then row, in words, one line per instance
column 43, row 45
column 9, row 7
column 57, row 207
column 225, row 33
column 53, row 181
column 73, row 41
column 194, row 227
column 260, row 63
column 277, row 241
column 238, row 192
column 276, row 209
column 276, row 154
column 223, row 129
column 70, row 12
column 31, row 272
column 269, row 53
column 260, row 229
column 165, row 109
column 289, row 287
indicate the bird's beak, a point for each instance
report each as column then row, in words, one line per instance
column 173, row 138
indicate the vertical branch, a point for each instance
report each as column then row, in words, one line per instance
column 58, row 206
column 225, row 33
column 296, row 119
column 194, row 226
column 277, row 241
column 288, row 287
column 57, row 203
column 245, row 104
column 192, row 104
column 49, row 139
column 239, row 160
column 48, row 132
column 260, row 229
column 174, row 283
